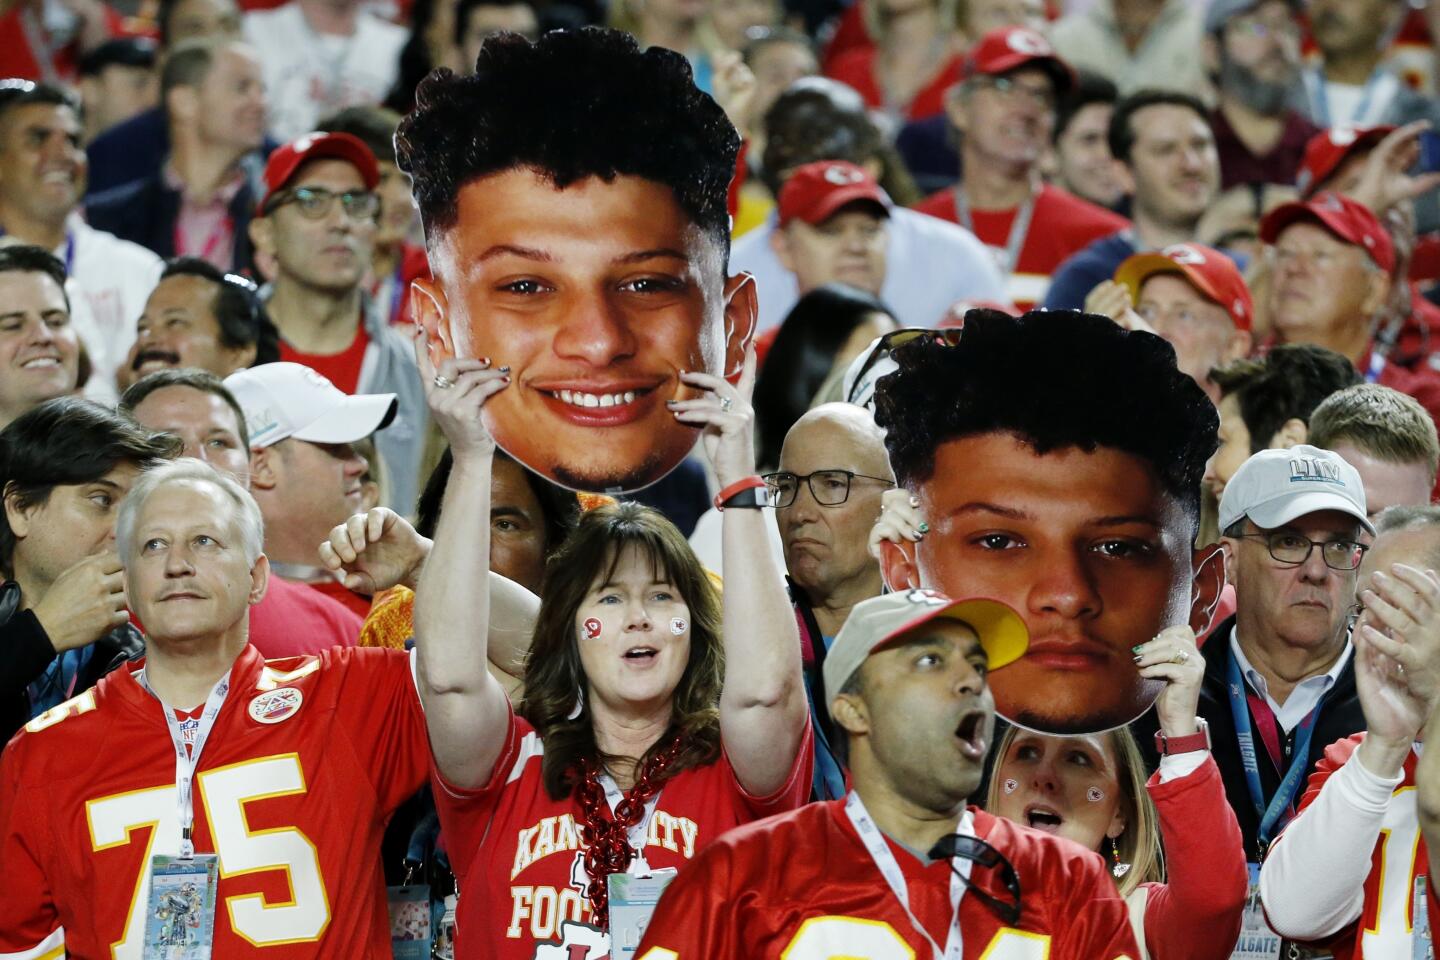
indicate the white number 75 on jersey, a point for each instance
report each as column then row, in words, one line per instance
column 223, row 793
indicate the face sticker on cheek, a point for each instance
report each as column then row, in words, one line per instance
column 1095, row 795
column 592, row 629
column 678, row 626
column 1011, row 786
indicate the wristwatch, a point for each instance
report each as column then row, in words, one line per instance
column 1169, row 746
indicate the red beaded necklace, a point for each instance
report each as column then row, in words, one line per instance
column 607, row 840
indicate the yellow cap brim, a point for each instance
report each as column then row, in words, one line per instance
column 1136, row 269
column 1002, row 633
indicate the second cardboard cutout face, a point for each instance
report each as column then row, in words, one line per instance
column 596, row 296
column 1085, row 545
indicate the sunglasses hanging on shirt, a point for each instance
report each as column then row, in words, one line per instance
column 981, row 853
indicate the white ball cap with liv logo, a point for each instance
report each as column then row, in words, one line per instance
column 283, row 400
column 1274, row 487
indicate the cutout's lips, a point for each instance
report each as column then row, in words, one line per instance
column 1058, row 652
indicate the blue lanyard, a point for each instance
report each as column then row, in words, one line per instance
column 1377, row 365
column 1294, row 778
column 397, row 294
column 1321, row 99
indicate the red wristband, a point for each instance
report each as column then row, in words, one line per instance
column 739, row 486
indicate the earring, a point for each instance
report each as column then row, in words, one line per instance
column 579, row 707
column 1119, row 869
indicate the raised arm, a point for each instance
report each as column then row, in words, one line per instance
column 380, row 549
column 465, row 707
column 762, row 705
column 1313, row 881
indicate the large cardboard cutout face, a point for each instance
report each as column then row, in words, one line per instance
column 1089, row 549
column 596, row 296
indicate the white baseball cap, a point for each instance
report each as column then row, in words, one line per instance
column 283, row 400
column 881, row 620
column 1274, row 487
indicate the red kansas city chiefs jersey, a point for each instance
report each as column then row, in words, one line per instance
column 306, row 761
column 517, row 854
column 802, row 886
column 1400, row 856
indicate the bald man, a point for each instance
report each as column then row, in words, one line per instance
column 833, row 469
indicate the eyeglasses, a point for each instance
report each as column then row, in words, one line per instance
column 314, row 203
column 1012, row 89
column 982, row 854
column 898, row 338
column 830, row 488
column 1293, row 549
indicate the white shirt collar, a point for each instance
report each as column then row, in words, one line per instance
column 1307, row 692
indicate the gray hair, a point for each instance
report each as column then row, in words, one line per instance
column 246, row 513
column 1397, row 519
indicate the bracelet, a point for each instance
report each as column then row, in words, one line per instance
column 723, row 498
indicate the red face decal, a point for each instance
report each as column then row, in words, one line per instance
column 592, row 629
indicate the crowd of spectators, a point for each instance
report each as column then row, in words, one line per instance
column 1052, row 566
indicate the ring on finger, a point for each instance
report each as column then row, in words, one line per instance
column 1181, row 656
column 726, row 403
column 443, row 382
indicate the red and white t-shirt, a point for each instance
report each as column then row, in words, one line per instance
column 518, row 858
column 802, row 886
column 306, row 761
column 1061, row 224
column 341, row 369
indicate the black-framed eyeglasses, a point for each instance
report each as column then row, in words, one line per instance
column 314, row 203
column 830, row 488
column 982, row 854
column 1293, row 549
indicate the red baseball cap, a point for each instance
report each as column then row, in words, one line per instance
column 815, row 191
column 1208, row 270
column 1329, row 148
column 1343, row 217
column 1010, row 48
column 288, row 157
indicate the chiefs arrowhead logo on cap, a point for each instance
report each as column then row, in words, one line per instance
column 1028, row 42
column 1184, row 253
column 843, row 176
column 1342, row 136
column 928, row 597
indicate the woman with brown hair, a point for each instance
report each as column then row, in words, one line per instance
column 626, row 754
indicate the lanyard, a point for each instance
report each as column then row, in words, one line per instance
column 1377, row 365
column 885, row 861
column 184, row 244
column 1019, row 227
column 1315, row 80
column 636, row 834
column 187, row 761
column 1294, row 777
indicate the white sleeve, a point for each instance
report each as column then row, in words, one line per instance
column 1179, row 765
column 1313, row 881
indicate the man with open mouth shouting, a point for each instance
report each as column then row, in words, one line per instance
column 901, row 866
